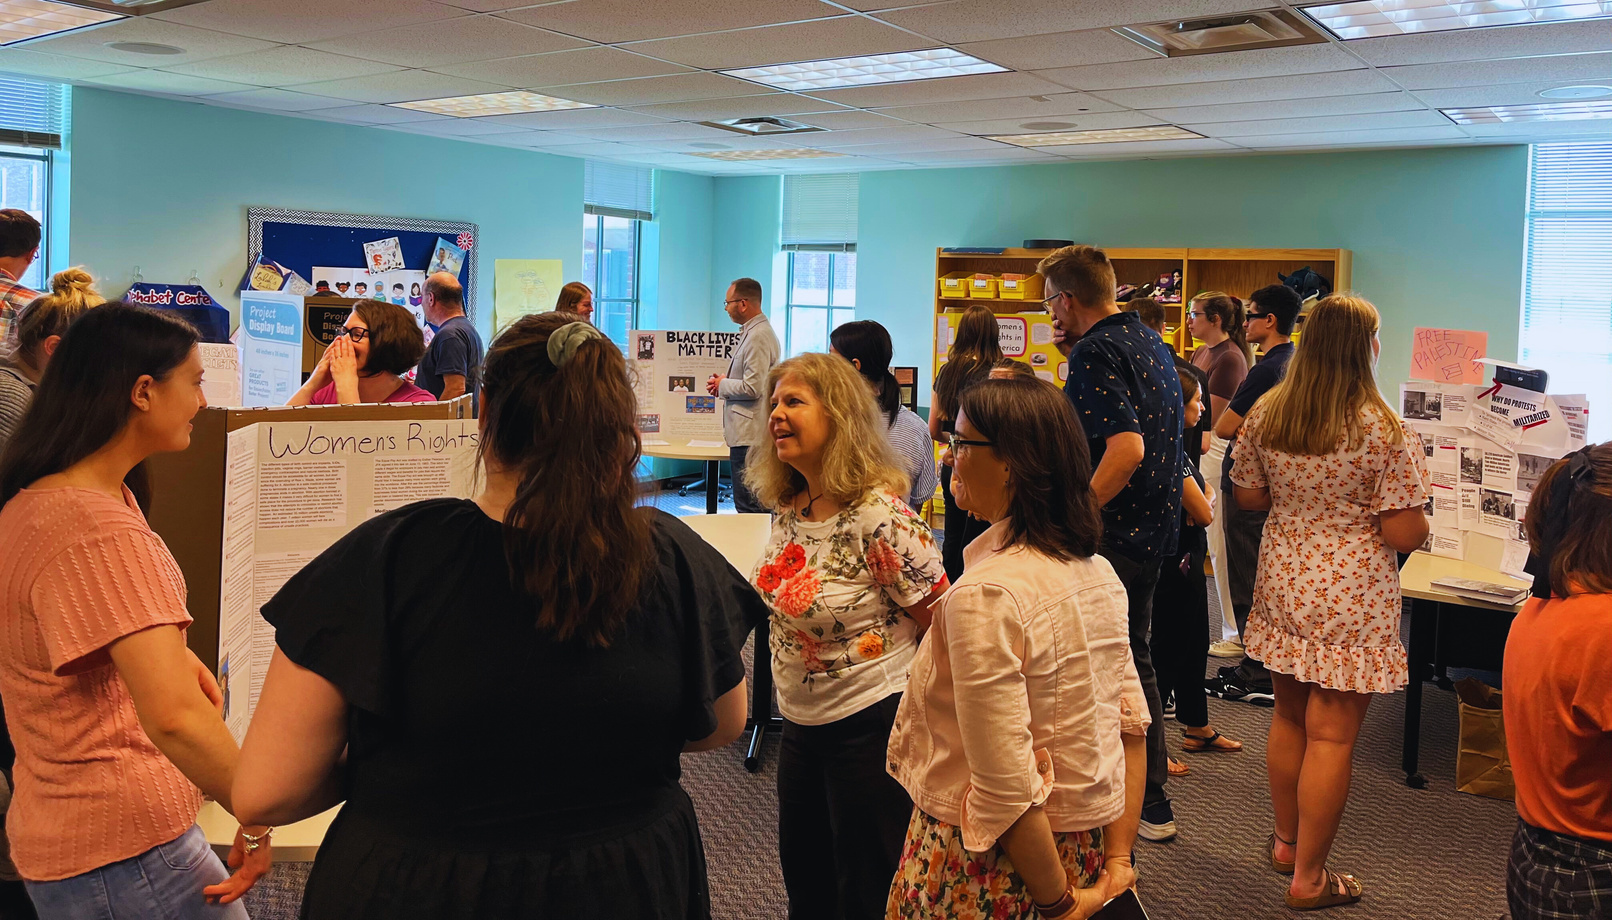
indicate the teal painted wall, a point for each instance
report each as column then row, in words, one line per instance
column 676, row 252
column 1437, row 235
column 745, row 244
column 165, row 185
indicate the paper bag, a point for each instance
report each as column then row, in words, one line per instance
column 1482, row 766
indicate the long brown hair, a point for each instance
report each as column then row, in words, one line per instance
column 1331, row 383
column 1034, row 431
column 977, row 349
column 574, row 541
column 1571, row 533
column 570, row 296
column 1233, row 318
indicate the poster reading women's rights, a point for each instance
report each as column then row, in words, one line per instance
column 671, row 368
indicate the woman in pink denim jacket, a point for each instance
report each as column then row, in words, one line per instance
column 1021, row 738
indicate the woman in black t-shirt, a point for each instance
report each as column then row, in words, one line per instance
column 513, row 678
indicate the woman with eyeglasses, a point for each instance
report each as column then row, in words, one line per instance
column 866, row 344
column 379, row 343
column 1022, row 738
column 1218, row 321
column 849, row 573
column 976, row 349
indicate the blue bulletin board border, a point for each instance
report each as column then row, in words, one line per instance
column 299, row 240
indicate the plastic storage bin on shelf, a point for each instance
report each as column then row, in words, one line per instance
column 1026, row 288
column 964, row 285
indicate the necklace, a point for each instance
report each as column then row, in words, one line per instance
column 807, row 511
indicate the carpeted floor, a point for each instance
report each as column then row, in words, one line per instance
column 1429, row 854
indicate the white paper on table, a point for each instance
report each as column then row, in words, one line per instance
column 1513, row 558
column 1450, row 544
column 655, row 442
column 708, row 444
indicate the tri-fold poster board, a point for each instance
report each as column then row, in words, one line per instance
column 670, row 369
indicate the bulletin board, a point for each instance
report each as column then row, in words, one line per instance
column 300, row 240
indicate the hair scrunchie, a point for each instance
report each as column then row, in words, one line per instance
column 564, row 341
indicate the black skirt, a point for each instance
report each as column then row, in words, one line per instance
column 370, row 870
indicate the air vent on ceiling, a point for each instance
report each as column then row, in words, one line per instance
column 1239, row 32
column 767, row 125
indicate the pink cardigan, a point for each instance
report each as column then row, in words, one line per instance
column 1019, row 694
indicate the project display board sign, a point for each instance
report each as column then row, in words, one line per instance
column 671, row 368
column 271, row 347
column 1024, row 337
column 293, row 488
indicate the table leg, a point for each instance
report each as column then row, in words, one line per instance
column 761, row 717
column 1423, row 640
column 712, row 486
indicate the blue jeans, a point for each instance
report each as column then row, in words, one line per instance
column 163, row 883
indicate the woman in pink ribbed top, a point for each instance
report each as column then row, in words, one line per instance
column 116, row 723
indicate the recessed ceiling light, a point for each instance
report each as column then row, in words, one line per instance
column 493, row 104
column 1239, row 32
column 1047, row 125
column 1108, row 136
column 867, row 70
column 1548, row 111
column 801, row 153
column 766, row 124
column 1373, row 18
column 21, row 20
column 144, row 48
column 1576, row 92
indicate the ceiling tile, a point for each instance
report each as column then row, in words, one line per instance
column 613, row 21
column 845, row 36
column 945, row 89
column 279, row 100
column 1020, row 107
column 378, row 115
column 155, row 81
column 675, row 88
column 1588, row 129
column 1140, row 148
column 1343, row 83
column 849, row 119
column 459, row 127
column 1505, row 94
column 578, row 118
column 563, row 67
column 784, row 104
column 665, row 131
column 402, row 86
column 598, row 149
column 1484, row 44
column 296, row 21
column 199, row 44
column 972, row 146
column 983, row 20
column 281, row 66
column 1343, row 138
column 1565, row 67
column 1198, row 68
column 54, row 66
column 534, row 139
column 1419, row 119
column 1058, row 49
column 1093, row 121
column 856, row 138
column 963, row 159
column 1288, row 108
column 455, row 41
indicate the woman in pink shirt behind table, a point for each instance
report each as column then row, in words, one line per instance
column 379, row 343
column 1022, row 734
column 116, row 723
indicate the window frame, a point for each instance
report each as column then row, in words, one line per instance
column 47, row 160
column 830, row 308
column 595, row 282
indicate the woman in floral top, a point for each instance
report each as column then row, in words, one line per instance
column 849, row 574
column 1345, row 482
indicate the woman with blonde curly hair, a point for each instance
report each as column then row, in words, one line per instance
column 849, row 574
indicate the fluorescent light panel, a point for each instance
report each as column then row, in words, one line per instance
column 493, row 104
column 1375, row 18
column 745, row 155
column 1546, row 111
column 21, row 20
column 901, row 67
column 1110, row 136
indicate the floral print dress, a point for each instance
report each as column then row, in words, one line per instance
column 1326, row 597
column 836, row 588
column 940, row 879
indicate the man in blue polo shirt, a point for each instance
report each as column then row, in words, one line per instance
column 1123, row 385
column 452, row 365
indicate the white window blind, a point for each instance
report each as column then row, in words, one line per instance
column 31, row 114
column 820, row 212
column 618, row 190
column 1567, row 277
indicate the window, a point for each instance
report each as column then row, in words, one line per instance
column 25, row 185
column 31, row 119
column 610, row 269
column 819, row 232
column 1567, row 275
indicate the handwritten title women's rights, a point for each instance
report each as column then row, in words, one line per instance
column 703, row 344
column 309, row 440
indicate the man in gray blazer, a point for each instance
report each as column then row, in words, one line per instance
column 744, row 386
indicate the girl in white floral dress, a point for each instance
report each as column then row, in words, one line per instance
column 849, row 573
column 1345, row 482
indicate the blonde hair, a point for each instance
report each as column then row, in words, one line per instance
column 72, row 291
column 857, row 458
column 1331, row 383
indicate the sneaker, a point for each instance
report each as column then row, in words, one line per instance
column 1158, row 822
column 1229, row 685
column 1226, row 648
column 1169, row 706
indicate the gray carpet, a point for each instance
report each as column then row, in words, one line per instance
column 1430, row 854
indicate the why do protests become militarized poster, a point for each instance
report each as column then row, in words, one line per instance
column 671, row 369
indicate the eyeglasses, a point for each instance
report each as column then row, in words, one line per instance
column 356, row 333
column 1260, row 315
column 1047, row 301
column 955, row 442
column 729, row 303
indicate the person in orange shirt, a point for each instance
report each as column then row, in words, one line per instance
column 1558, row 698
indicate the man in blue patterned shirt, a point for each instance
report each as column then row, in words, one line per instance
column 1123, row 385
column 19, row 246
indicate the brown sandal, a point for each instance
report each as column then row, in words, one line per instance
column 1214, row 744
column 1286, row 868
column 1340, row 889
column 1177, row 768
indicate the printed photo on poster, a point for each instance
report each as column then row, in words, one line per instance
column 646, row 347
column 1530, row 467
column 1423, row 405
column 649, row 424
column 679, row 384
column 702, row 405
column 1493, row 503
column 1472, row 465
